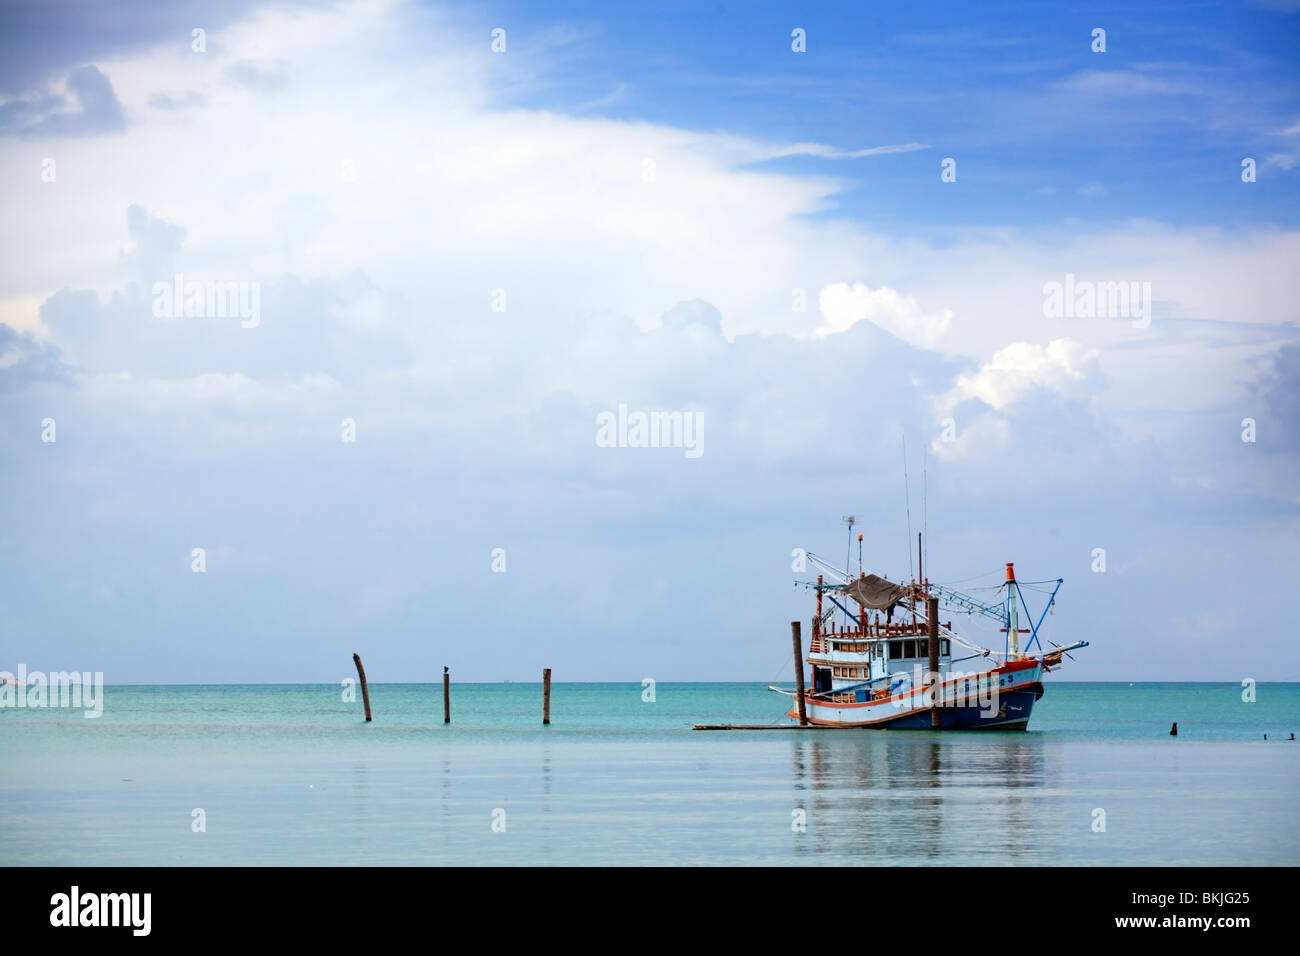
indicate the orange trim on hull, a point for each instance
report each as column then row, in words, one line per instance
column 809, row 699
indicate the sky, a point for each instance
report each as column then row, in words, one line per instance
column 464, row 233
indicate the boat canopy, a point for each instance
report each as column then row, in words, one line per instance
column 874, row 592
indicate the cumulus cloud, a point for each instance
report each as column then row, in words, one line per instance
column 25, row 361
column 1281, row 393
column 157, row 242
column 695, row 312
column 176, row 101
column 262, row 77
column 842, row 305
column 83, row 105
column 1023, row 367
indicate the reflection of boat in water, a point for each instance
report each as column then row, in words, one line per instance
column 909, row 798
column 869, row 672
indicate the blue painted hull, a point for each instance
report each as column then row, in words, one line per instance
column 1015, row 688
column 1014, row 708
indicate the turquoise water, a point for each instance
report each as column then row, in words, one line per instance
column 292, row 775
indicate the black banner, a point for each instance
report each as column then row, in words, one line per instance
column 176, row 905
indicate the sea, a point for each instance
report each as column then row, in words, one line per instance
column 273, row 775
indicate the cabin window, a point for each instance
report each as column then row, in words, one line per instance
column 909, row 648
column 923, row 648
column 895, row 649
column 945, row 649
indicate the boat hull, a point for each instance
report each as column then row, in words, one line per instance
column 1019, row 685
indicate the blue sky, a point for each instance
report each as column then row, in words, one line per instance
column 1045, row 128
column 472, row 255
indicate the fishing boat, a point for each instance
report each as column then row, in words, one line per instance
column 881, row 655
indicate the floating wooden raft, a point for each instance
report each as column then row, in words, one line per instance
column 752, row 727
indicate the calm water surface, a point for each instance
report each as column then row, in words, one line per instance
column 292, row 775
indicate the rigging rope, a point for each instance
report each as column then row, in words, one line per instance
column 986, row 574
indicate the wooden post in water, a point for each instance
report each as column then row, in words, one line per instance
column 932, row 645
column 797, row 638
column 546, row 695
column 365, row 691
column 446, row 695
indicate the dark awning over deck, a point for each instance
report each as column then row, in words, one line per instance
column 874, row 592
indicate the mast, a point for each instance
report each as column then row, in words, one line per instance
column 817, row 622
column 1013, row 619
column 920, row 571
column 849, row 520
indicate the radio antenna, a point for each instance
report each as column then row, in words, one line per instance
column 925, row 504
column 907, row 497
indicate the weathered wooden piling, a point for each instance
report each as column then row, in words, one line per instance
column 546, row 695
column 797, row 638
column 365, row 691
column 1173, row 731
column 932, row 645
column 446, row 695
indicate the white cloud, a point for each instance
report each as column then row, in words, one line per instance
column 843, row 305
column 831, row 152
column 234, row 391
column 1124, row 83
column 1022, row 367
